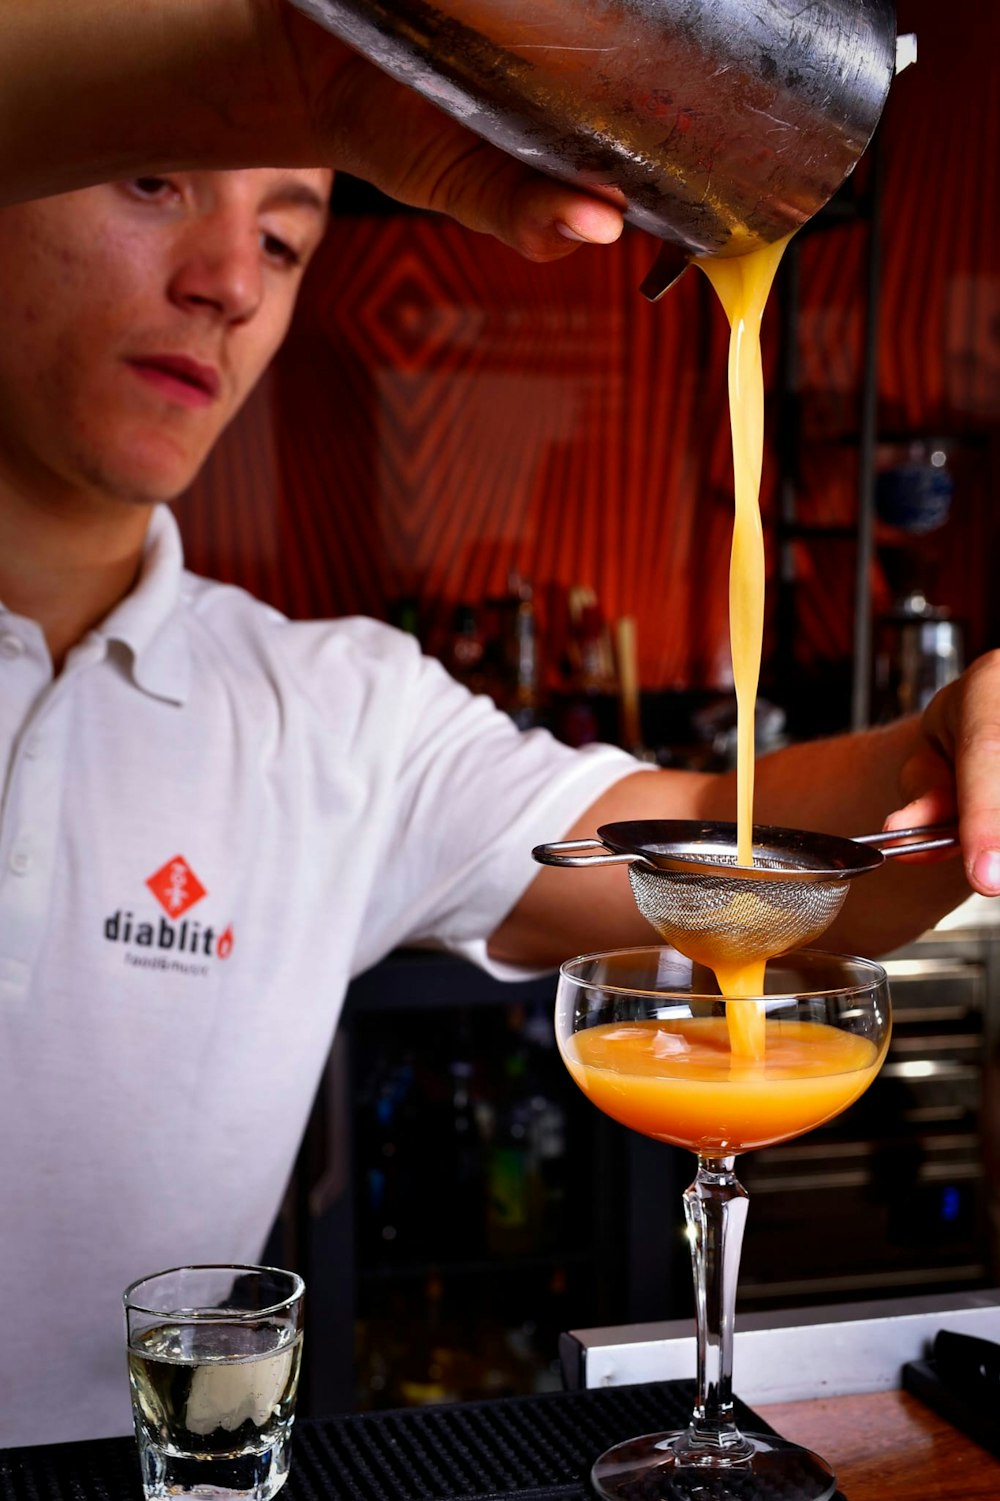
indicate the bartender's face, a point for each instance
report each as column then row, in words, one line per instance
column 135, row 318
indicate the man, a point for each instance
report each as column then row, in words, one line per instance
column 213, row 817
column 97, row 89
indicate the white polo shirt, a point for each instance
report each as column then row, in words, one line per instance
column 212, row 819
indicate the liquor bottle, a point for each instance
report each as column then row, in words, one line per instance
column 589, row 698
column 527, row 1155
column 386, row 1118
column 429, row 1370
column 626, row 657
column 465, row 649
column 404, row 614
column 545, row 1084
column 511, row 1188
column 523, row 663
column 466, row 1188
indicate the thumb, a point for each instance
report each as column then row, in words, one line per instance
column 962, row 723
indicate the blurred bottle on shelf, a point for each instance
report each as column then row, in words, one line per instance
column 404, row 614
column 429, row 1369
column 914, row 486
column 630, row 709
column 523, row 698
column 552, row 1319
column 919, row 646
column 588, row 696
column 385, row 1111
column 545, row 1082
column 464, row 652
column 417, row 1143
column 448, row 1344
column 527, row 1153
column 467, row 1188
column 511, row 1186
column 379, row 1346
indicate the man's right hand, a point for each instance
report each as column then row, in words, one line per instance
column 376, row 128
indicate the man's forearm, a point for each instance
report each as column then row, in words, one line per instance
column 101, row 89
column 846, row 784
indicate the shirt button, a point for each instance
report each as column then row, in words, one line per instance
column 11, row 646
column 32, row 747
column 20, row 862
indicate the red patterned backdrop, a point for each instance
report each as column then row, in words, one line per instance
column 444, row 414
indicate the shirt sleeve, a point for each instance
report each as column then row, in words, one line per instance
column 474, row 795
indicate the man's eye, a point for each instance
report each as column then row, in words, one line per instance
column 150, row 187
column 279, row 250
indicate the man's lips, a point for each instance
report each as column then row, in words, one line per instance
column 179, row 378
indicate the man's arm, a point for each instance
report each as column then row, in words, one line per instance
column 95, row 90
column 911, row 773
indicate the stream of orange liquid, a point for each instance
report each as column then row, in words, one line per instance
column 743, row 284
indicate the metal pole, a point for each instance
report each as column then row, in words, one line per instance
column 861, row 686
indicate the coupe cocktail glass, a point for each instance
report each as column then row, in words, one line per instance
column 647, row 1037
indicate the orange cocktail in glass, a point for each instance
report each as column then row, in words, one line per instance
column 678, row 1081
column 648, row 1041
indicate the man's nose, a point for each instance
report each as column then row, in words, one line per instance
column 219, row 271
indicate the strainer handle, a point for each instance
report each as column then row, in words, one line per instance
column 562, row 854
column 937, row 836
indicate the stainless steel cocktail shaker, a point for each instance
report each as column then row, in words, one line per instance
column 724, row 123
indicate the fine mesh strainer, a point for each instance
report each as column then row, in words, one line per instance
column 687, row 883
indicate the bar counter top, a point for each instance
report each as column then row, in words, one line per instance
column 888, row 1446
column 884, row 1446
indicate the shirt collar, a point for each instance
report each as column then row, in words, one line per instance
column 146, row 620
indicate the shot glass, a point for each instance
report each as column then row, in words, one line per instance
column 213, row 1360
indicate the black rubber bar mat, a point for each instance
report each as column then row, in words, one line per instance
column 512, row 1449
column 978, row 1418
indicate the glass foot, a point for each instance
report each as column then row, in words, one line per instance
column 667, row 1467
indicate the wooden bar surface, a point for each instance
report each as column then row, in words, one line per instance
column 887, row 1446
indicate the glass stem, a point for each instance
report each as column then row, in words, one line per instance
column 715, row 1207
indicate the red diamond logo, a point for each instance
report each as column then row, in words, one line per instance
column 176, row 887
